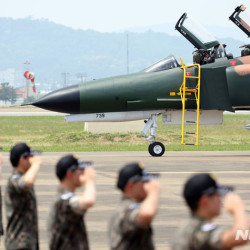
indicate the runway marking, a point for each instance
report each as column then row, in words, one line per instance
column 196, row 172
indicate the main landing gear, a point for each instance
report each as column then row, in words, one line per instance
column 155, row 148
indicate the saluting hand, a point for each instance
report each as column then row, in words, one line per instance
column 152, row 186
column 36, row 159
column 87, row 176
column 233, row 203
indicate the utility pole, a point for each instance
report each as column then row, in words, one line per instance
column 82, row 76
column 127, row 55
column 27, row 82
column 65, row 75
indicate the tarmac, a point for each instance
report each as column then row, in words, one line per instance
column 230, row 168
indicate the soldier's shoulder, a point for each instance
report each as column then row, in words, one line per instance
column 209, row 233
column 203, row 227
column 195, row 228
column 14, row 178
column 129, row 204
column 181, row 236
column 124, row 209
column 184, row 229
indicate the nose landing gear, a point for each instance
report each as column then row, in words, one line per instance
column 155, row 148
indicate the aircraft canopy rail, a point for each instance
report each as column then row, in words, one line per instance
column 167, row 63
column 235, row 18
column 195, row 33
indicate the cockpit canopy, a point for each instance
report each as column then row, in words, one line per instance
column 195, row 33
column 242, row 24
column 167, row 63
column 208, row 47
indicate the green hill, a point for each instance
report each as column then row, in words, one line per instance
column 53, row 49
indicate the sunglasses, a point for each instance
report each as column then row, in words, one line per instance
column 30, row 153
column 144, row 178
column 25, row 155
column 81, row 165
column 219, row 190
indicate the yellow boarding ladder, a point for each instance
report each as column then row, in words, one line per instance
column 184, row 90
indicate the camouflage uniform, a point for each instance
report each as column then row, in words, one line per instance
column 124, row 230
column 66, row 226
column 198, row 234
column 1, row 218
column 21, row 213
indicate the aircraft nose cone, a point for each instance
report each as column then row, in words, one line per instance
column 65, row 100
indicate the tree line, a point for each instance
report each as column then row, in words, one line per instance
column 7, row 93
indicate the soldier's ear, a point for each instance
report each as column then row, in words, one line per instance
column 128, row 186
column 203, row 200
column 69, row 174
column 21, row 161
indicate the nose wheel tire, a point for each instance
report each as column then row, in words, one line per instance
column 156, row 149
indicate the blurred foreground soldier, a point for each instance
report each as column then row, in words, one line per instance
column 20, row 199
column 66, row 225
column 129, row 226
column 203, row 196
column 1, row 216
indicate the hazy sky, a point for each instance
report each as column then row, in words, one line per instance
column 115, row 15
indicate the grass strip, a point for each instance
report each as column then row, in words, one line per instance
column 53, row 134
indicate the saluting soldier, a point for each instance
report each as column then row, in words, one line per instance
column 130, row 225
column 20, row 199
column 66, row 225
column 203, row 196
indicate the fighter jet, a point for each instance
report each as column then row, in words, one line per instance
column 183, row 94
column 235, row 18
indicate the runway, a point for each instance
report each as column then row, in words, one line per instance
column 231, row 168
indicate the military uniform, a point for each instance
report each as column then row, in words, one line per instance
column 66, row 223
column 124, row 230
column 21, row 213
column 1, row 217
column 198, row 234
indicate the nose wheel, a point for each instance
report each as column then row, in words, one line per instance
column 156, row 149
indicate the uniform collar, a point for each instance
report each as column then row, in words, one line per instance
column 16, row 172
column 62, row 190
column 198, row 218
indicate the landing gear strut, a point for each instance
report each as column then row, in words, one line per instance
column 155, row 148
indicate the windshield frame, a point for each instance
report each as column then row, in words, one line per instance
column 156, row 67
